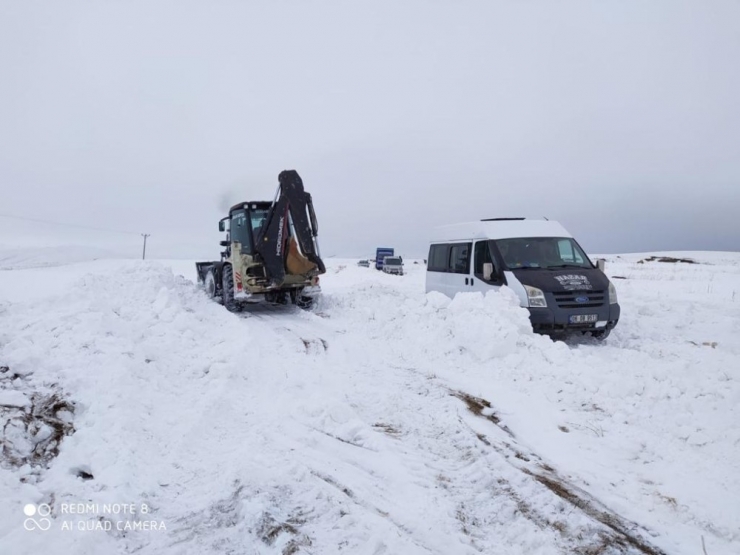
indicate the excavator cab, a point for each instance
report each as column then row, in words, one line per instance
column 240, row 227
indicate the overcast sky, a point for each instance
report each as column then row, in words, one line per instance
column 619, row 119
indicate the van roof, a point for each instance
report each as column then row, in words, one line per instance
column 499, row 229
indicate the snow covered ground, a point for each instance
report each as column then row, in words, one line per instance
column 385, row 421
column 46, row 257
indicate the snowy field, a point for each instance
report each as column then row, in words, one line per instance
column 385, row 421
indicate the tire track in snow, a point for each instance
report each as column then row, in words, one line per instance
column 478, row 472
column 459, row 478
column 624, row 535
column 594, row 528
column 293, row 320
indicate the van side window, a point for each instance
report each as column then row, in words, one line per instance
column 483, row 255
column 438, row 258
column 460, row 258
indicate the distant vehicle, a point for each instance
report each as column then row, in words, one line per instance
column 364, row 263
column 380, row 254
column 539, row 260
column 393, row 265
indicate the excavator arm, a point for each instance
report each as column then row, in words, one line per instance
column 293, row 210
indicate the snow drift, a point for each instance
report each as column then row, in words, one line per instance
column 385, row 421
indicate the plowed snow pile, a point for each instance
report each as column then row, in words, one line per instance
column 384, row 421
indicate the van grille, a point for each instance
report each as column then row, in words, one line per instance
column 567, row 299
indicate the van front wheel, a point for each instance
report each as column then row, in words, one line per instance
column 601, row 334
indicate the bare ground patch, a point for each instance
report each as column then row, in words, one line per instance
column 668, row 259
column 616, row 535
column 34, row 421
column 281, row 533
column 271, row 531
column 620, row 538
column 480, row 407
column 387, row 429
column 315, row 345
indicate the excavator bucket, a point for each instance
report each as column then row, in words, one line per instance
column 296, row 263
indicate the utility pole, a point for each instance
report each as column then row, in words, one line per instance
column 144, row 235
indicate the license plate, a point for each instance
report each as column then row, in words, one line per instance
column 583, row 318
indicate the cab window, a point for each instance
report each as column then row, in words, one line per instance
column 483, row 256
column 258, row 218
column 240, row 231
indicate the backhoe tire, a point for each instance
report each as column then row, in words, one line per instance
column 210, row 285
column 304, row 302
column 227, row 290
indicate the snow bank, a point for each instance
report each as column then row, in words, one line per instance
column 658, row 401
column 433, row 326
column 386, row 421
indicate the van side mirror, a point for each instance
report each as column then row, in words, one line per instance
column 222, row 226
column 487, row 271
column 224, row 243
column 601, row 264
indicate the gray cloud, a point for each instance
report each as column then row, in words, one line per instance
column 618, row 119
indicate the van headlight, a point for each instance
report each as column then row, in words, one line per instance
column 535, row 297
column 612, row 293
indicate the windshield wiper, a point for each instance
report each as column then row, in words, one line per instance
column 568, row 266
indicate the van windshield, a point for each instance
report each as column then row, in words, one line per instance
column 392, row 261
column 542, row 252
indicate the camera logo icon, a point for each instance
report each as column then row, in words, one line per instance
column 42, row 511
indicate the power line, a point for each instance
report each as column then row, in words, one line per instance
column 38, row 220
